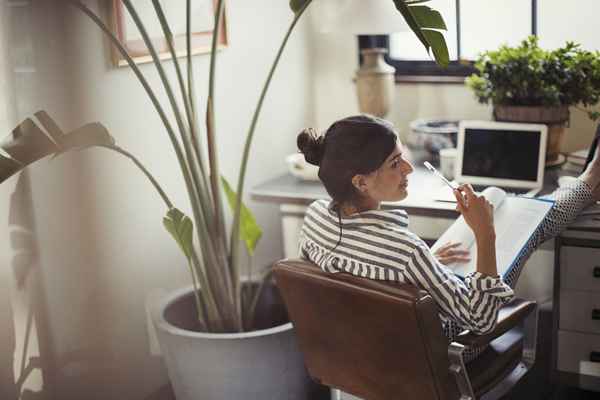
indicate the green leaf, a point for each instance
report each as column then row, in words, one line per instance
column 411, row 21
column 162, row 19
column 250, row 231
column 8, row 168
column 28, row 143
column 93, row 134
column 427, row 17
column 438, row 46
column 49, row 125
column 296, row 5
column 181, row 228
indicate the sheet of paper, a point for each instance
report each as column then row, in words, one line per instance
column 515, row 220
column 460, row 231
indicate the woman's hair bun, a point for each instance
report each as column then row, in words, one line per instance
column 311, row 145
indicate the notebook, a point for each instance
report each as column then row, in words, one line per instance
column 516, row 218
column 507, row 155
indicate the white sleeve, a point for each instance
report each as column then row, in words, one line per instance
column 474, row 303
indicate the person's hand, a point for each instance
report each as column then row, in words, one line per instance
column 477, row 210
column 450, row 253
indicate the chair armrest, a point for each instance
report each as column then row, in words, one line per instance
column 510, row 315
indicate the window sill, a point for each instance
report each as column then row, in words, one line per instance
column 430, row 79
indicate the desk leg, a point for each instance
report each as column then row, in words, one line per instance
column 292, row 216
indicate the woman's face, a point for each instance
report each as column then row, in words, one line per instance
column 390, row 181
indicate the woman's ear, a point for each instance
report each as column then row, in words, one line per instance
column 360, row 183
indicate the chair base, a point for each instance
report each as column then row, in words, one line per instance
column 507, row 384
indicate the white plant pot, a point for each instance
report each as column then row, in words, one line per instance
column 263, row 364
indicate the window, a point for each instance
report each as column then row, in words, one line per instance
column 478, row 25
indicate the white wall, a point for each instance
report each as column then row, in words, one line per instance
column 335, row 60
column 102, row 245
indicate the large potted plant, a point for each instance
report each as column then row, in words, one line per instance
column 529, row 84
column 221, row 338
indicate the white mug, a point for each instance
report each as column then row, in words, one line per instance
column 447, row 157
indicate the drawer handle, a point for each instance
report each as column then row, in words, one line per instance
column 595, row 356
column 596, row 314
column 597, row 271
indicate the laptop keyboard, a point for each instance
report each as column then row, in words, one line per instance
column 509, row 190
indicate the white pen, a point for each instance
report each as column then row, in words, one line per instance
column 435, row 171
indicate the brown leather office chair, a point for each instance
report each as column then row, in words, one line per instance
column 383, row 340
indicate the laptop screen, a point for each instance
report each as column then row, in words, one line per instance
column 503, row 154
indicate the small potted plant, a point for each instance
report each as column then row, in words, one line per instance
column 529, row 84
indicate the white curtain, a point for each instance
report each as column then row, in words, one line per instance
column 18, row 327
column 7, row 333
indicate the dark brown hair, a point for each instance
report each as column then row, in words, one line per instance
column 351, row 146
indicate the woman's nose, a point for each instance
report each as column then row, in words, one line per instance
column 407, row 167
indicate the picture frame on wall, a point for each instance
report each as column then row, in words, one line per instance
column 201, row 37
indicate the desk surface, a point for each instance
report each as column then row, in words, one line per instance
column 423, row 190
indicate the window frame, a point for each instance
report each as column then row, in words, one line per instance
column 427, row 71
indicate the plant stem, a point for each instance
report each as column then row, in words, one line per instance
column 158, row 188
column 212, row 313
column 218, row 285
column 191, row 86
column 214, row 164
column 235, row 230
column 169, row 204
column 188, row 45
column 196, row 145
column 248, row 300
column 209, row 300
column 199, row 307
column 194, row 157
column 186, row 100
column 263, row 283
column 138, row 74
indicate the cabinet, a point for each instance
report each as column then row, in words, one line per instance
column 576, row 333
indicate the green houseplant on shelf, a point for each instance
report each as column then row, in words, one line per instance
column 217, row 314
column 526, row 83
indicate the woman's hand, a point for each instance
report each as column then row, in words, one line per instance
column 479, row 215
column 450, row 253
column 477, row 211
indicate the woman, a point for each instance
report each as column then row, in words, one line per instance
column 361, row 163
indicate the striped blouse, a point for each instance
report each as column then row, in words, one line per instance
column 377, row 244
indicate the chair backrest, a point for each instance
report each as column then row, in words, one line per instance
column 372, row 339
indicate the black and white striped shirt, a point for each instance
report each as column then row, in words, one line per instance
column 377, row 244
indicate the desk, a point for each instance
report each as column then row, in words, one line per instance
column 578, row 245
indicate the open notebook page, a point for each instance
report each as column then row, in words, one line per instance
column 459, row 231
column 515, row 220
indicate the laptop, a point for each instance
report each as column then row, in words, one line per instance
column 508, row 155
